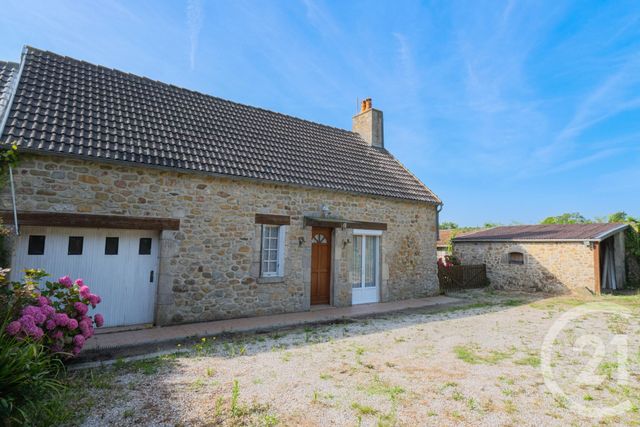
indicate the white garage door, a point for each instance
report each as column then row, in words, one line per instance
column 119, row 265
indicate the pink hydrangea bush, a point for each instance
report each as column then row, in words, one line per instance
column 56, row 314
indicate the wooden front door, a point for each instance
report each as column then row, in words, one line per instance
column 320, row 265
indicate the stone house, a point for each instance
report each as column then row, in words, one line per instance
column 176, row 206
column 550, row 258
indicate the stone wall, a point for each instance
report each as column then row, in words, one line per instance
column 549, row 267
column 209, row 268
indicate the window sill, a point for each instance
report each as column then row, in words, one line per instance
column 273, row 279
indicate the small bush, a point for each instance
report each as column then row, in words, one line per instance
column 54, row 315
column 39, row 327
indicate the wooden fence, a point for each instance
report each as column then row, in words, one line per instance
column 462, row 277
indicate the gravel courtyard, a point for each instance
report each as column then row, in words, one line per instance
column 479, row 364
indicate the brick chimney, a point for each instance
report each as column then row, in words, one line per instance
column 368, row 123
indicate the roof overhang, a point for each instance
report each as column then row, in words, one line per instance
column 310, row 221
column 64, row 219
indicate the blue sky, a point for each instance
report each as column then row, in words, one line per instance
column 509, row 111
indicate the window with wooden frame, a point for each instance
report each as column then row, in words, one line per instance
column 516, row 258
column 272, row 251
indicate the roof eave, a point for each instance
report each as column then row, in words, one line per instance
column 611, row 232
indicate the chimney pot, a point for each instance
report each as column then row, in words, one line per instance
column 368, row 123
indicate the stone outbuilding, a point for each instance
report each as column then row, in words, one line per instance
column 549, row 257
column 176, row 206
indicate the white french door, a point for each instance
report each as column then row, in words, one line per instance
column 365, row 271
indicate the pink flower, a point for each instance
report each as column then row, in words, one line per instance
column 48, row 310
column 84, row 324
column 42, row 301
column 61, row 319
column 94, row 300
column 30, row 310
column 56, row 348
column 79, row 283
column 84, row 292
column 87, row 332
column 76, row 350
column 65, row 281
column 99, row 320
column 39, row 315
column 57, row 335
column 27, row 322
column 78, row 340
column 81, row 308
column 14, row 327
column 51, row 324
column 36, row 333
column 73, row 323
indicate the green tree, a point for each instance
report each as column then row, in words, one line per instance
column 619, row 217
column 491, row 224
column 566, row 218
column 448, row 225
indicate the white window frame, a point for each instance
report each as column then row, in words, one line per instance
column 281, row 243
column 360, row 232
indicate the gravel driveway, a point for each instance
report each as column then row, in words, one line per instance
column 476, row 365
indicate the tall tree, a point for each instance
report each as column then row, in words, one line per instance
column 448, row 225
column 619, row 217
column 566, row 218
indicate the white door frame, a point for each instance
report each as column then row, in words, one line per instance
column 362, row 294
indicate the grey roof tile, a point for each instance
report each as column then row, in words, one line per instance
column 8, row 71
column 67, row 106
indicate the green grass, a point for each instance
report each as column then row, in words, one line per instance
column 607, row 369
column 471, row 354
column 363, row 409
column 380, row 387
column 513, row 302
column 530, row 360
column 563, row 302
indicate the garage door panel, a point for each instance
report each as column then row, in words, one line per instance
column 121, row 280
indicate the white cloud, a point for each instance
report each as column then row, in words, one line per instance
column 195, row 18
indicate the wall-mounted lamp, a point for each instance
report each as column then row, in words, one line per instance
column 345, row 242
column 325, row 211
column 343, row 227
column 301, row 241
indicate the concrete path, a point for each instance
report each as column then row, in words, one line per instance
column 131, row 342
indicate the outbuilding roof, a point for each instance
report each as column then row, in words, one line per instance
column 445, row 236
column 70, row 107
column 544, row 232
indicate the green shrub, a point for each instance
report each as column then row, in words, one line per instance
column 28, row 375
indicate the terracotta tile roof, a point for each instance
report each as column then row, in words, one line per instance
column 542, row 232
column 71, row 107
column 446, row 235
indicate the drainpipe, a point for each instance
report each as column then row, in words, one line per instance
column 3, row 122
column 13, row 199
column 438, row 210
